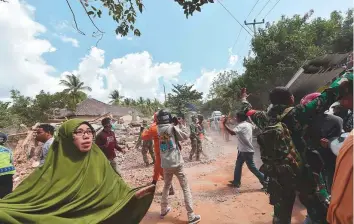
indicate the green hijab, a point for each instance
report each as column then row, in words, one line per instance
column 73, row 187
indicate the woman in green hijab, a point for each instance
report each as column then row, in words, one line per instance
column 75, row 185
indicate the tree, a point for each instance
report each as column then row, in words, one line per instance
column 115, row 97
column 124, row 13
column 75, row 89
column 7, row 118
column 181, row 96
column 282, row 47
column 140, row 101
column 127, row 102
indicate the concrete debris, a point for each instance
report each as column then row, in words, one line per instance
column 27, row 154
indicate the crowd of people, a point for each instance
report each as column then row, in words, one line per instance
column 305, row 151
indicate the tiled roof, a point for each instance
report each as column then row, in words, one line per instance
column 93, row 107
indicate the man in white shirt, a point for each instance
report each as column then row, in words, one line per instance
column 45, row 134
column 243, row 132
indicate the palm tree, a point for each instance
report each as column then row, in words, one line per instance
column 156, row 104
column 115, row 97
column 141, row 101
column 127, row 101
column 75, row 89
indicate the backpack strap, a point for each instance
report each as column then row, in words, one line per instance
column 286, row 111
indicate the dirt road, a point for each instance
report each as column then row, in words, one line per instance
column 214, row 200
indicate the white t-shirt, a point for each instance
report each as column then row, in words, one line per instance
column 244, row 137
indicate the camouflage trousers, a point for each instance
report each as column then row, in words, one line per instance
column 196, row 148
column 148, row 148
column 316, row 209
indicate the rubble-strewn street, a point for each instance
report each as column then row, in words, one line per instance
column 208, row 180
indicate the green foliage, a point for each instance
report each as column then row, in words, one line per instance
column 74, row 89
column 280, row 49
column 116, row 98
column 146, row 106
column 181, row 96
column 192, row 5
column 28, row 110
column 124, row 12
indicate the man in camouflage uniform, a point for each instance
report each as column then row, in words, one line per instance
column 312, row 194
column 195, row 131
column 147, row 146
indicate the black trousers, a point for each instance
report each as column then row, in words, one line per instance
column 6, row 185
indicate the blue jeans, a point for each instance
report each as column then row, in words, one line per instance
column 247, row 157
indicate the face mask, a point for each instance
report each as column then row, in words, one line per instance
column 114, row 126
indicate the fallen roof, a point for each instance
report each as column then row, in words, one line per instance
column 317, row 73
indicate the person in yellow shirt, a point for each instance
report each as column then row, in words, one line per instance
column 7, row 169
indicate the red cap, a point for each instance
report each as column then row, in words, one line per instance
column 309, row 97
column 251, row 112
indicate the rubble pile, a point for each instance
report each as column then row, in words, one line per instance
column 27, row 154
column 25, row 163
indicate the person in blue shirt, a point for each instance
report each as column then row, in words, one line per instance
column 7, row 169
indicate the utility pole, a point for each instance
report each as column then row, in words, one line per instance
column 164, row 90
column 254, row 25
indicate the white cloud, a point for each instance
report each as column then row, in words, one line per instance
column 21, row 51
column 22, row 66
column 203, row 82
column 73, row 41
column 233, row 58
column 120, row 37
column 134, row 75
column 61, row 25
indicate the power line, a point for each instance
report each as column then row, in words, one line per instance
column 234, row 18
column 237, row 38
column 239, row 33
column 252, row 9
column 271, row 8
column 263, row 8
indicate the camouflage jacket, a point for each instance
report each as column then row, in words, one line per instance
column 348, row 122
column 194, row 130
column 146, row 143
column 298, row 118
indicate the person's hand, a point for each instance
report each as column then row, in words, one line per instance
column 324, row 143
column 244, row 94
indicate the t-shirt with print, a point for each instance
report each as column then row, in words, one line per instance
column 107, row 142
column 168, row 136
column 244, row 136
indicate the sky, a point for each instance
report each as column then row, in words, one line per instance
column 39, row 45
